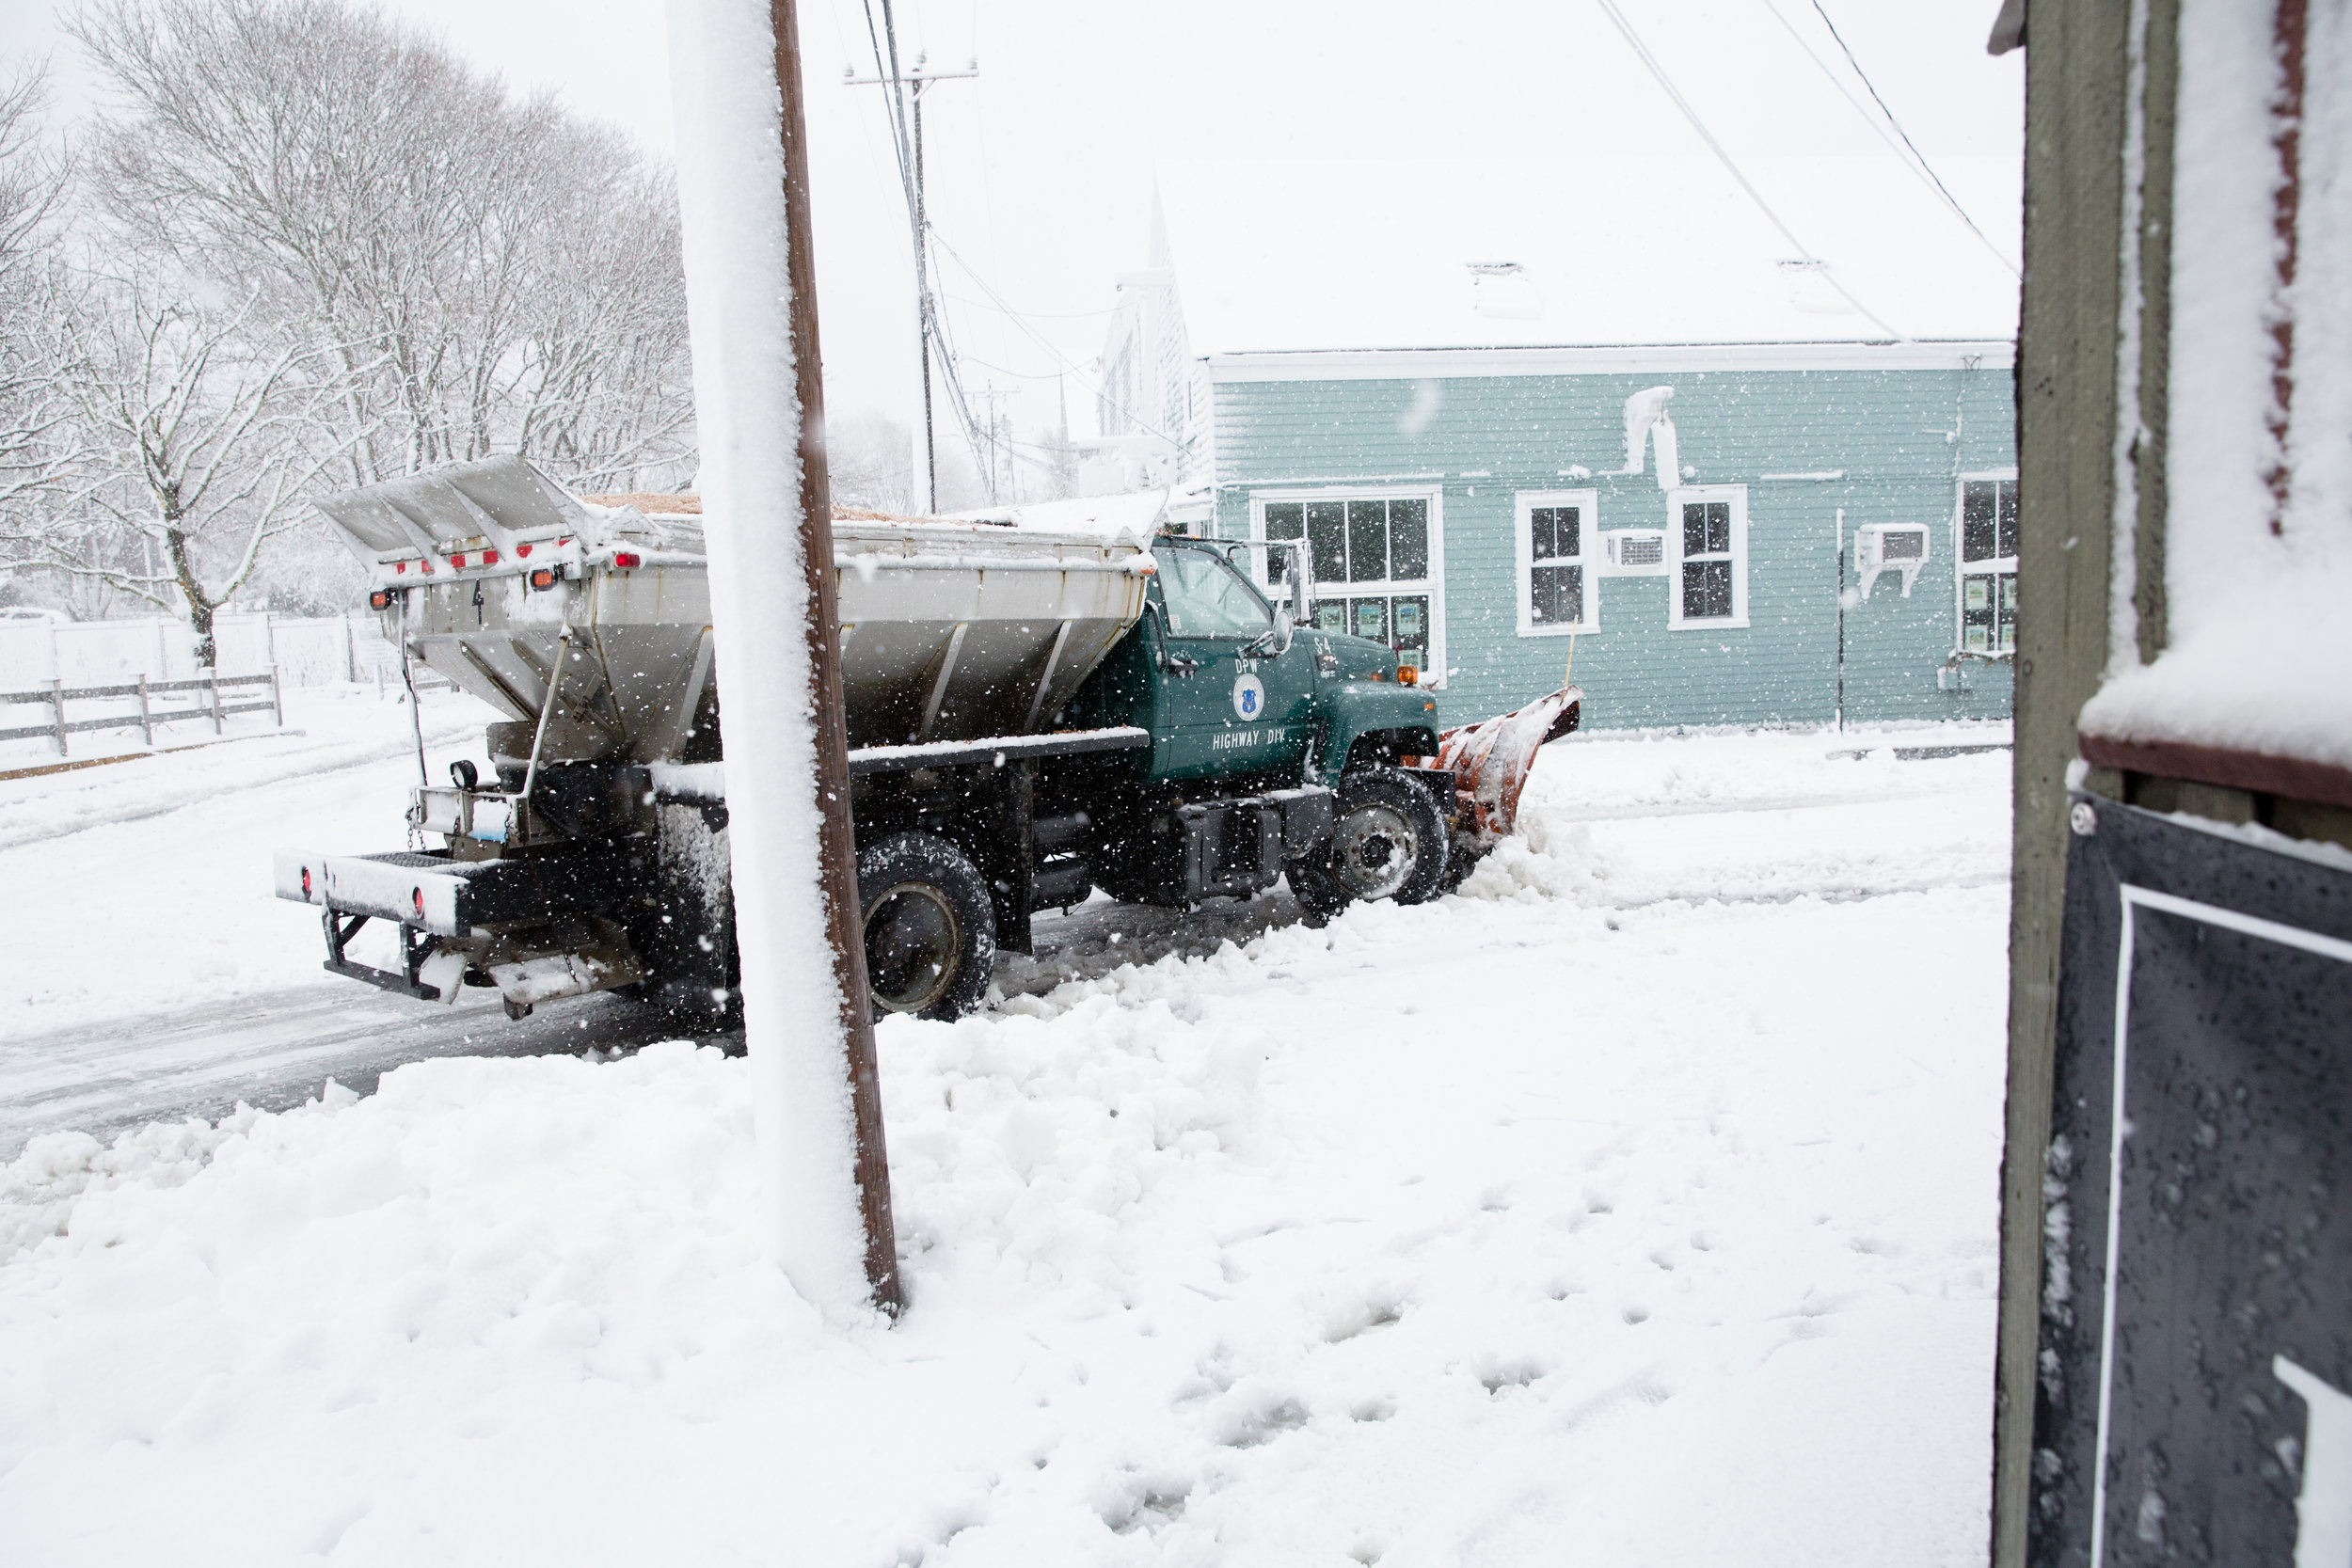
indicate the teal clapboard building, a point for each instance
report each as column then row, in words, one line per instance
column 1655, row 437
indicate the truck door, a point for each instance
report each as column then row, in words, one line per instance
column 1236, row 711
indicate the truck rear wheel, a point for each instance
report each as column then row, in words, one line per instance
column 1389, row 841
column 931, row 928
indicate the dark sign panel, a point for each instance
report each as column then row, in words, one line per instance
column 2196, row 1368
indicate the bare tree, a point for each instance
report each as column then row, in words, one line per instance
column 870, row 459
column 36, row 433
column 201, row 443
column 508, row 278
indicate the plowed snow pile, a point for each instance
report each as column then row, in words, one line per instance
column 1634, row 1206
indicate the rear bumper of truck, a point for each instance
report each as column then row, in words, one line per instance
column 452, row 907
column 432, row 893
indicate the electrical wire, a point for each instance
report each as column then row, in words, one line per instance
column 1665, row 82
column 1034, row 315
column 1925, row 171
column 933, row 324
column 1066, row 362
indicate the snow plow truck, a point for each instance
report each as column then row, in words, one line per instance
column 1033, row 714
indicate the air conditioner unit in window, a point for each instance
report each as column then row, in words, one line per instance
column 1636, row 552
column 1889, row 547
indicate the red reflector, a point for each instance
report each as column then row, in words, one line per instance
column 626, row 559
column 418, row 893
column 428, row 567
column 305, row 882
column 459, row 560
column 543, row 578
column 400, row 569
column 380, row 598
column 489, row 558
column 523, row 550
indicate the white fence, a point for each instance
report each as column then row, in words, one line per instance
column 305, row 652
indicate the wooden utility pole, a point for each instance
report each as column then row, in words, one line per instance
column 886, row 73
column 838, row 842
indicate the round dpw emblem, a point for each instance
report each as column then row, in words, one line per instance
column 1249, row 697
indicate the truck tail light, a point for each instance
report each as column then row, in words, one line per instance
column 626, row 560
column 1407, row 675
column 416, row 896
column 305, row 882
column 380, row 599
column 543, row 577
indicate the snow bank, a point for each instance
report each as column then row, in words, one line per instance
column 145, row 885
column 1520, row 1223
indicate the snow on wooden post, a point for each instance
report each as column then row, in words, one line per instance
column 767, row 521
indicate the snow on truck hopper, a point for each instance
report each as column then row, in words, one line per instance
column 1032, row 714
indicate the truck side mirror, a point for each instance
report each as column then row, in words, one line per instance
column 1299, row 576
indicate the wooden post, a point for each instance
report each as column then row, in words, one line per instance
column 56, row 708
column 839, row 843
column 213, row 676
column 2077, row 118
column 146, row 717
column 277, row 696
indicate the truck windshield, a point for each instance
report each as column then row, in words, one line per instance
column 1206, row 598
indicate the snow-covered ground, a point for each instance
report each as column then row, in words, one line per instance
column 1635, row 1206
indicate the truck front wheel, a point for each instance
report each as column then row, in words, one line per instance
column 930, row 929
column 1389, row 841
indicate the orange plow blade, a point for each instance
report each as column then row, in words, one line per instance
column 1490, row 761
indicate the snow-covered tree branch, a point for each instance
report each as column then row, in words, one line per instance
column 203, row 441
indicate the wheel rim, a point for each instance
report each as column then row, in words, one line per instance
column 912, row 945
column 1373, row 850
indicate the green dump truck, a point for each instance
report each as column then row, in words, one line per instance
column 1033, row 714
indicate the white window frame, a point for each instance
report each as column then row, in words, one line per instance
column 1677, row 499
column 1592, row 554
column 1991, row 566
column 1433, row 586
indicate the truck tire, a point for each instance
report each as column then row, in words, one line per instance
column 930, row 927
column 1389, row 841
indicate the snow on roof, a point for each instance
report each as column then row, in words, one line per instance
column 1273, row 257
column 1134, row 514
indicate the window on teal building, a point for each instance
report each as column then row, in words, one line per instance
column 1707, row 534
column 1558, row 546
column 1375, row 566
column 1988, row 565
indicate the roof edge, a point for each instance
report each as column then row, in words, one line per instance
column 1932, row 354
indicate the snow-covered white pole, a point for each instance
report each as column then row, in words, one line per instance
column 767, row 520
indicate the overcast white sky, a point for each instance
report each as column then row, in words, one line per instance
column 1041, row 170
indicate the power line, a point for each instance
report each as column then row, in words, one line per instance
column 1069, row 364
column 1033, row 315
column 1924, row 168
column 1641, row 51
column 906, row 136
